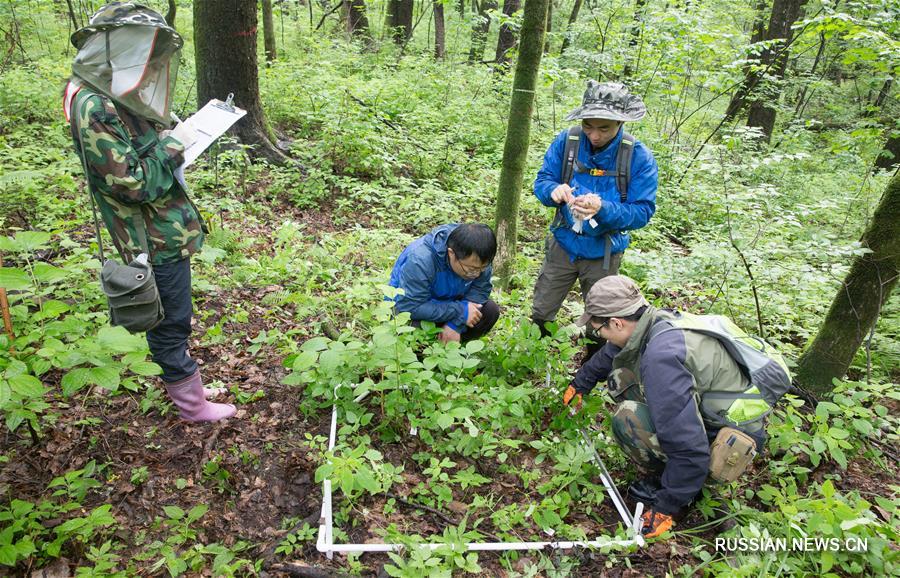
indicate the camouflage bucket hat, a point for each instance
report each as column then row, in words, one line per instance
column 609, row 100
column 116, row 14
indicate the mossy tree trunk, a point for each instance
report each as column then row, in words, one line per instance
column 225, row 51
column 400, row 20
column 573, row 16
column 518, row 134
column 859, row 300
column 480, row 30
column 357, row 21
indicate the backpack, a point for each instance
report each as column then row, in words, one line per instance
column 622, row 174
column 763, row 365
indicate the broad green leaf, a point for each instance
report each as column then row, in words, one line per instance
column 14, row 279
column 27, row 385
column 75, row 380
column 145, row 368
column 197, row 512
column 106, row 377
column 474, row 346
column 173, row 512
column 118, row 339
column 14, row 419
column 444, row 420
column 54, row 308
column 4, row 393
column 305, row 360
column 30, row 241
column 315, row 344
column 461, row 412
column 827, row 489
column 47, row 273
column 8, row 555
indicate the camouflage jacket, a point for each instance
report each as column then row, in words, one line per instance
column 131, row 173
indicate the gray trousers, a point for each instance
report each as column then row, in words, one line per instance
column 558, row 275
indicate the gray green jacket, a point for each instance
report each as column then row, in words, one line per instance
column 675, row 368
column 131, row 172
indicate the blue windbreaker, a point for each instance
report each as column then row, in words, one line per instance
column 432, row 291
column 614, row 216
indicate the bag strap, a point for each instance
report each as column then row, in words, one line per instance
column 137, row 215
column 623, row 165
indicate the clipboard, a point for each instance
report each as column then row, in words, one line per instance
column 208, row 124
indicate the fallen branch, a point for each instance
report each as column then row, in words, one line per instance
column 437, row 513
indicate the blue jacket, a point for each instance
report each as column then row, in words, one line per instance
column 614, row 217
column 432, row 291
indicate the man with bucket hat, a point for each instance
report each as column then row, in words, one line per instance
column 678, row 390
column 602, row 183
column 117, row 102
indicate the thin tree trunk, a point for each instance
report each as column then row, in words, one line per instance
column 506, row 39
column 440, row 43
column 573, row 16
column 549, row 27
column 75, row 24
column 883, row 93
column 480, row 30
column 801, row 98
column 751, row 76
column 859, row 301
column 518, row 135
column 637, row 26
column 762, row 109
column 225, row 54
column 170, row 14
column 268, row 31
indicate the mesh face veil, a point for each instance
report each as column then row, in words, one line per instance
column 136, row 66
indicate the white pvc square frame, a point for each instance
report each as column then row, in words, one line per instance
column 325, row 542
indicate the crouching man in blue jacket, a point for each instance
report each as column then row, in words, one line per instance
column 446, row 279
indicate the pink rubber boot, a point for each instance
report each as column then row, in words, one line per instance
column 189, row 396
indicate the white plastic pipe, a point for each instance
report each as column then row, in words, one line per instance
column 325, row 542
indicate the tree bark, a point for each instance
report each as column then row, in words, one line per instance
column 357, row 21
column 480, row 30
column 573, row 16
column 518, row 135
column 549, row 27
column 889, row 157
column 859, row 301
column 440, row 42
column 751, row 75
column 268, row 31
column 170, row 14
column 506, row 40
column 775, row 56
column 637, row 26
column 400, row 20
column 225, row 53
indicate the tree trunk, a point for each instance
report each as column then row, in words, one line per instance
column 357, row 21
column 480, row 30
column 637, row 27
column 751, row 74
column 518, row 132
column 440, row 43
column 170, row 15
column 573, row 16
column 549, row 27
column 400, row 20
column 775, row 56
column 268, row 31
column 889, row 157
column 858, row 302
column 506, row 40
column 225, row 53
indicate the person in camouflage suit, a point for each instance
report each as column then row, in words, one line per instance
column 117, row 98
column 660, row 379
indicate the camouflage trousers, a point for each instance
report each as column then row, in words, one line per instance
column 634, row 432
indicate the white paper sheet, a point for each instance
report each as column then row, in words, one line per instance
column 208, row 124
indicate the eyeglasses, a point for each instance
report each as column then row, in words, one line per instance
column 469, row 270
column 600, row 322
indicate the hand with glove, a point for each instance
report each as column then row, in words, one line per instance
column 655, row 523
column 569, row 395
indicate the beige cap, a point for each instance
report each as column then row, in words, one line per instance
column 613, row 296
